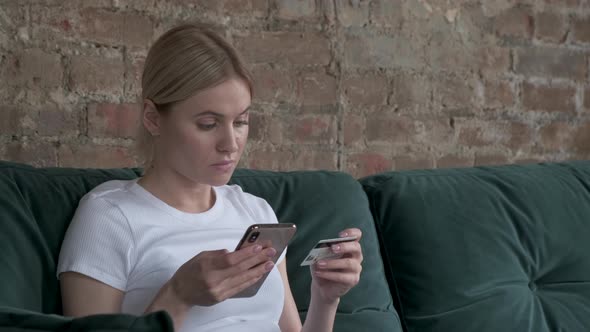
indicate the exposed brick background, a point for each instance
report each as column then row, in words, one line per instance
column 361, row 86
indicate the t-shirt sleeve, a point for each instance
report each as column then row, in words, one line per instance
column 98, row 243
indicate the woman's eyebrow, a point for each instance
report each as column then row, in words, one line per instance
column 216, row 114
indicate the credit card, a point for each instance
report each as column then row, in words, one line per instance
column 323, row 250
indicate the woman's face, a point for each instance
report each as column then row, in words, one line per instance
column 203, row 137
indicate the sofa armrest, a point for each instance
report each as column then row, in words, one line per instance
column 13, row 319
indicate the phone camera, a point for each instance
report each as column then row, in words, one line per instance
column 253, row 237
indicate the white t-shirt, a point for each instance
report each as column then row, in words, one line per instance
column 127, row 238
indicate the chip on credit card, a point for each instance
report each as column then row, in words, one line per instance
column 323, row 250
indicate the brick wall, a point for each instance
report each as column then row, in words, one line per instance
column 361, row 86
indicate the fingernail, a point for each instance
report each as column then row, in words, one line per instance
column 343, row 234
column 336, row 248
column 271, row 252
column 321, row 263
column 257, row 248
column 268, row 266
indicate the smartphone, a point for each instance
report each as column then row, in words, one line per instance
column 277, row 236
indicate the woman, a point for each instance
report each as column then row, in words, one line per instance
column 163, row 242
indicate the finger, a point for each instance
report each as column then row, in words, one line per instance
column 351, row 249
column 246, row 277
column 240, row 255
column 251, row 262
column 349, row 279
column 351, row 232
column 343, row 264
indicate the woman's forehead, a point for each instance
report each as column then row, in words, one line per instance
column 229, row 98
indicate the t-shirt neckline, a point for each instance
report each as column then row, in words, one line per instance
column 205, row 216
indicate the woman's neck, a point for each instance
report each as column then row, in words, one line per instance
column 178, row 191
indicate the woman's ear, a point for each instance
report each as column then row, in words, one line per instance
column 151, row 117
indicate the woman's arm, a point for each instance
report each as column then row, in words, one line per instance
column 331, row 279
column 76, row 291
column 320, row 316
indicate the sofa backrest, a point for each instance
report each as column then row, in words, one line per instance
column 37, row 204
column 502, row 248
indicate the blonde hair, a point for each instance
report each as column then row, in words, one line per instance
column 183, row 61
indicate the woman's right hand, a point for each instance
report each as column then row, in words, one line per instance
column 214, row 276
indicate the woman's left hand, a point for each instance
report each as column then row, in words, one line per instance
column 335, row 277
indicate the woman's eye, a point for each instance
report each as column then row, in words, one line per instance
column 241, row 123
column 206, row 126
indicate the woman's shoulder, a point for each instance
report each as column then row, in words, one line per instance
column 235, row 194
column 112, row 190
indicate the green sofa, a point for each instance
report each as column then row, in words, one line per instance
column 502, row 248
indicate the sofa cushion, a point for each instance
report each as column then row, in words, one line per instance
column 18, row 320
column 488, row 249
column 37, row 205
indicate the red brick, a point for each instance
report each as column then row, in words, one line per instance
column 319, row 89
column 12, row 120
column 96, row 74
column 498, row 94
column 563, row 3
column 95, row 156
column 520, row 135
column 453, row 91
column 352, row 13
column 33, row 67
column 56, row 121
column 299, row 48
column 454, row 161
column 551, row 63
column 393, row 129
column 134, row 70
column 387, row 13
column 515, row 22
column 556, row 136
column 250, row 8
column 308, row 159
column 363, row 49
column 409, row 90
column 548, row 98
column 265, row 128
column 413, row 162
column 367, row 163
column 296, row 10
column 480, row 134
column 257, row 127
column 113, row 120
column 270, row 160
column 493, row 60
column 551, row 27
column 581, row 140
column 437, row 131
column 315, row 129
column 36, row 153
column 273, row 84
column 581, row 29
column 353, row 129
column 115, row 28
column 366, row 89
column 491, row 160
